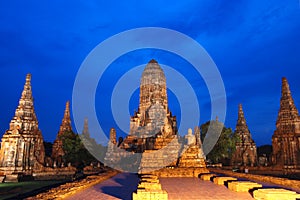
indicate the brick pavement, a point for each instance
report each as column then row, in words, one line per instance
column 194, row 188
column 122, row 185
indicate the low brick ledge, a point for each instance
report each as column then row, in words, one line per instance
column 294, row 184
column 69, row 189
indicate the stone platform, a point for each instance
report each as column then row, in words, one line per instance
column 222, row 180
column 275, row 194
column 180, row 172
column 243, row 186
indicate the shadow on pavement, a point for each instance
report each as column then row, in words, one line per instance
column 126, row 184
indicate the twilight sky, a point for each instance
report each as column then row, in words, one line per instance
column 253, row 43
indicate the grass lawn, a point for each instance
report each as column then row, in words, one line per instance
column 11, row 190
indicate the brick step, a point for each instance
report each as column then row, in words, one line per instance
column 207, row 177
column 243, row 186
column 275, row 194
column 220, row 180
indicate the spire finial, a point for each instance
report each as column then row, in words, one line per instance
column 241, row 118
column 28, row 79
column 241, row 112
column 287, row 111
column 66, row 121
column 67, row 110
column 285, row 88
column 27, row 93
column 86, row 128
column 113, row 136
column 153, row 61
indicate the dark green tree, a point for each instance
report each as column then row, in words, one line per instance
column 75, row 151
column 225, row 146
column 48, row 148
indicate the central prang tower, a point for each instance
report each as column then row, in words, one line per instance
column 153, row 143
column 153, row 117
column 153, row 88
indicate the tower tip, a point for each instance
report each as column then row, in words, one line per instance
column 153, row 61
column 28, row 78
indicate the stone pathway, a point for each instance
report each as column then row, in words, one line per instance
column 122, row 185
column 194, row 188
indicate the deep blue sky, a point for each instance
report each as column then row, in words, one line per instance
column 253, row 43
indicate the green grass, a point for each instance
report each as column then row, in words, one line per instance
column 10, row 190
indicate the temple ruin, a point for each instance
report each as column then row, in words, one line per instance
column 245, row 152
column 22, row 148
column 22, row 152
column 57, row 149
column 153, row 141
column 286, row 137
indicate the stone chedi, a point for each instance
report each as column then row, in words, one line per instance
column 153, row 142
column 57, row 149
column 22, row 149
column 153, row 118
column 87, row 140
column 286, row 137
column 245, row 152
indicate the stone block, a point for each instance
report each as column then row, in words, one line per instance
column 243, row 186
column 150, row 186
column 221, row 180
column 275, row 194
column 143, row 194
column 150, row 180
column 206, row 177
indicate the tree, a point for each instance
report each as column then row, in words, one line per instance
column 75, row 151
column 225, row 146
column 48, row 148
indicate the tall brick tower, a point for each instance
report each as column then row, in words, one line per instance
column 286, row 137
column 57, row 149
column 22, row 149
column 245, row 152
column 153, row 107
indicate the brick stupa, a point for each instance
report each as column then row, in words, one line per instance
column 22, row 149
column 286, row 137
column 57, row 149
column 245, row 152
column 153, row 144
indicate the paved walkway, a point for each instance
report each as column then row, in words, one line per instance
column 194, row 188
column 123, row 185
column 120, row 186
